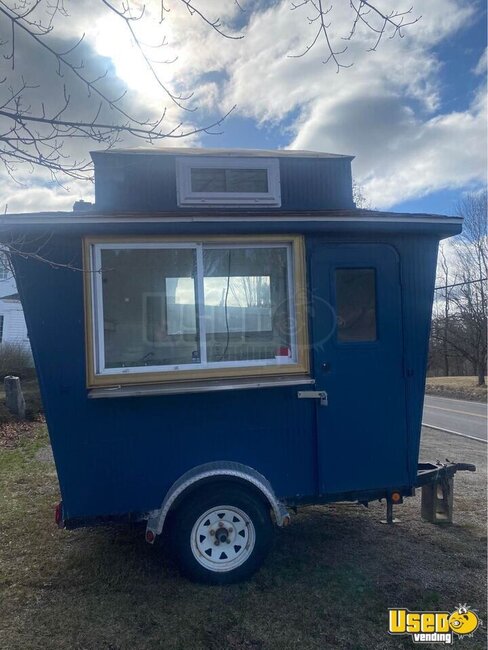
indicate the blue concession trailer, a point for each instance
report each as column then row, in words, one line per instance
column 223, row 335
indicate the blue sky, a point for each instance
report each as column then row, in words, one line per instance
column 458, row 57
column 413, row 113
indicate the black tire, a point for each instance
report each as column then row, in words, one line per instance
column 256, row 524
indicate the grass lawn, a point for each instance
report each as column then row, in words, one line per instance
column 328, row 583
column 457, row 387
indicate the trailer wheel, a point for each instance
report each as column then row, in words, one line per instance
column 222, row 534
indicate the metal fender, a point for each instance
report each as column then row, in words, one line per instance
column 222, row 468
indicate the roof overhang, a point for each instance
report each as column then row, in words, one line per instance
column 274, row 220
column 219, row 152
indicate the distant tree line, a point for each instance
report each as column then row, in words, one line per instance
column 458, row 343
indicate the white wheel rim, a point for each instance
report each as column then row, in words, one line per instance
column 223, row 538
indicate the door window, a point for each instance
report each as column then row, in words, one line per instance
column 356, row 304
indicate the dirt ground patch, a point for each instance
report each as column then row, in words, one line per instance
column 15, row 432
column 327, row 585
column 457, row 388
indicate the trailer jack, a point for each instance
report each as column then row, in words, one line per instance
column 393, row 498
column 437, row 483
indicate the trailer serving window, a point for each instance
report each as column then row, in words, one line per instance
column 174, row 310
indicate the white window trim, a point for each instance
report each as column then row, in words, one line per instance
column 186, row 196
column 98, row 312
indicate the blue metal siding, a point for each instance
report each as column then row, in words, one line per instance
column 316, row 184
column 419, row 260
column 134, row 182
column 131, row 183
column 117, row 456
column 120, row 456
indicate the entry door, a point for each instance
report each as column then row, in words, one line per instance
column 358, row 361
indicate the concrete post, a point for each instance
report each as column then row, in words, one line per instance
column 14, row 397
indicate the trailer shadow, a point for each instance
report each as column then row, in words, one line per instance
column 328, row 582
column 347, row 548
column 333, row 570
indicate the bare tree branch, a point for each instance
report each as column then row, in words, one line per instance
column 364, row 13
column 462, row 325
column 395, row 21
column 34, row 133
column 36, row 136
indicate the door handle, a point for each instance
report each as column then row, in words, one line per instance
column 314, row 394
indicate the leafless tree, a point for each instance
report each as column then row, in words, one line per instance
column 461, row 328
column 359, row 197
column 443, row 305
column 472, row 268
column 34, row 128
column 250, row 291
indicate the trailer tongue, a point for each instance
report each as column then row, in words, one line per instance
column 437, row 483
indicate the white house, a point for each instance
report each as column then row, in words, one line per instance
column 12, row 323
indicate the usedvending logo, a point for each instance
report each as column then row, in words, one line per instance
column 434, row 627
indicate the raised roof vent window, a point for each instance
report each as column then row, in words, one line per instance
column 228, row 181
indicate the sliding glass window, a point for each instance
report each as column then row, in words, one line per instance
column 185, row 308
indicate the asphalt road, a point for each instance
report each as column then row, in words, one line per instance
column 456, row 416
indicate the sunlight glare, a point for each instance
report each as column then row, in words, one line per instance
column 113, row 40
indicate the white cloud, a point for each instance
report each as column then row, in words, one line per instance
column 445, row 152
column 35, row 196
column 266, row 83
column 399, row 155
column 48, row 87
column 387, row 109
column 481, row 66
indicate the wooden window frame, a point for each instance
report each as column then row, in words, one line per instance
column 298, row 309
column 186, row 197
